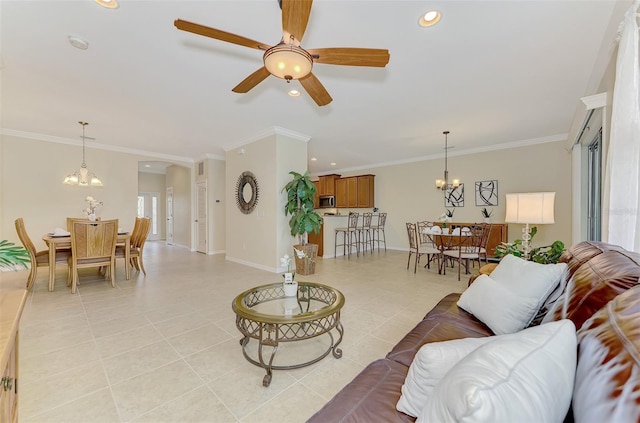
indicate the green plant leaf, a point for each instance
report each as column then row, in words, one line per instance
column 12, row 255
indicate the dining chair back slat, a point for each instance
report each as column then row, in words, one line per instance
column 93, row 244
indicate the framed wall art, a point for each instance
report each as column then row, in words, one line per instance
column 454, row 197
column 487, row 193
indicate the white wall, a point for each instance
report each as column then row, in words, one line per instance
column 407, row 192
column 259, row 239
column 32, row 188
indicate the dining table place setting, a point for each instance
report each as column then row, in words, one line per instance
column 59, row 233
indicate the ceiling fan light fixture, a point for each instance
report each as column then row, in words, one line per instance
column 109, row 4
column 430, row 18
column 287, row 61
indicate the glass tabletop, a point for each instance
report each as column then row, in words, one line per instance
column 267, row 303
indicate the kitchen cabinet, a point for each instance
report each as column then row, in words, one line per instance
column 365, row 191
column 327, row 184
column 347, row 192
column 355, row 191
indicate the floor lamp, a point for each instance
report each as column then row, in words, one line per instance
column 530, row 208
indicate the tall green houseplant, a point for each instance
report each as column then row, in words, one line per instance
column 301, row 193
column 300, row 198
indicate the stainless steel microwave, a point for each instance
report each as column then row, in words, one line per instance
column 327, row 201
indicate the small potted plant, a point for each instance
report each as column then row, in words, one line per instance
column 289, row 285
column 92, row 208
column 300, row 201
column 486, row 214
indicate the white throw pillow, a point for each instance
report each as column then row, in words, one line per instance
column 430, row 364
column 523, row 377
column 497, row 307
column 528, row 278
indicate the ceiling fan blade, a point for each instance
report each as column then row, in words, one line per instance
column 350, row 56
column 218, row 34
column 295, row 16
column 251, row 81
column 316, row 90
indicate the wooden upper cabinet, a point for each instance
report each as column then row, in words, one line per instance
column 341, row 193
column 355, row 191
column 365, row 197
column 327, row 184
column 352, row 192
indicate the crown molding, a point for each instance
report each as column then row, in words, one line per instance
column 274, row 130
column 466, row 152
column 95, row 145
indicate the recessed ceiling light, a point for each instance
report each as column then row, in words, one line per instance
column 313, row 159
column 333, row 163
column 147, row 165
column 109, row 4
column 294, row 93
column 78, row 42
column 430, row 18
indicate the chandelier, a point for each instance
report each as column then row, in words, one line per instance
column 82, row 176
column 443, row 183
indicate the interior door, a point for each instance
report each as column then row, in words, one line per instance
column 148, row 206
column 169, row 215
column 201, row 217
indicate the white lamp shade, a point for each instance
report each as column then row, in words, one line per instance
column 530, row 207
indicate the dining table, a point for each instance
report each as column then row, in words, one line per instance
column 60, row 242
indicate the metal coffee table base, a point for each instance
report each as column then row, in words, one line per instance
column 266, row 340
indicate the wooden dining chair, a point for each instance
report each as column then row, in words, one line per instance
column 38, row 258
column 138, row 238
column 93, row 244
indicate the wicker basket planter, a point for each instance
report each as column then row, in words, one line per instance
column 307, row 264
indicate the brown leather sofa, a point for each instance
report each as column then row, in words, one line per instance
column 600, row 294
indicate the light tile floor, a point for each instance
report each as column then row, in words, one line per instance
column 164, row 348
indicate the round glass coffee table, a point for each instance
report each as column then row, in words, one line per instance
column 265, row 314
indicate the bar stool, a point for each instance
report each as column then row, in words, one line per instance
column 377, row 230
column 349, row 236
column 364, row 233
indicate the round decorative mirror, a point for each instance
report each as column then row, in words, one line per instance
column 247, row 192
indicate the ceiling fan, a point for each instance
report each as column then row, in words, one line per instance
column 289, row 61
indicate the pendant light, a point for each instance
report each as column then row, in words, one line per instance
column 82, row 176
column 442, row 183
